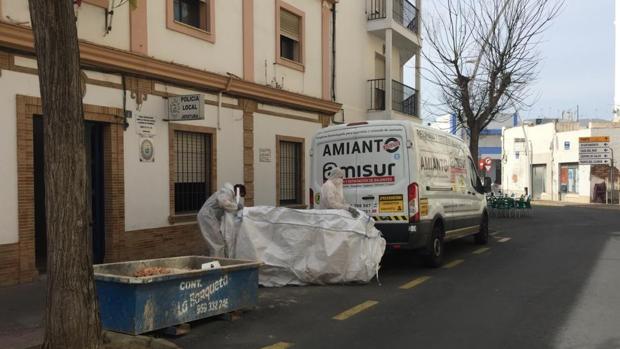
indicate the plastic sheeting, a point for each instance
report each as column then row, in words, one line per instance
column 299, row 247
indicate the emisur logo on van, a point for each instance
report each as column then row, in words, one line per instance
column 391, row 145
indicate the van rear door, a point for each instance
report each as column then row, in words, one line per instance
column 374, row 159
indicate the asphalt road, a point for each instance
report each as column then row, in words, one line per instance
column 551, row 280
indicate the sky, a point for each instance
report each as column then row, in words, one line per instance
column 577, row 66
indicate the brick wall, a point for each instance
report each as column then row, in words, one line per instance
column 170, row 241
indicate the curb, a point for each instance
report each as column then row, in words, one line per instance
column 577, row 205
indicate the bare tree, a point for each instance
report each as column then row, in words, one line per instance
column 483, row 56
column 72, row 316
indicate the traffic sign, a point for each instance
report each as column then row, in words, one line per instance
column 488, row 162
column 595, row 156
column 593, row 145
column 594, row 139
column 594, row 151
column 594, row 161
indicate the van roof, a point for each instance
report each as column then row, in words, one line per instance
column 404, row 123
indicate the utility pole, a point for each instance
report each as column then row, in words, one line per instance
column 611, row 176
column 577, row 112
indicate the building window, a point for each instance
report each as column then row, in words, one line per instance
column 569, row 178
column 192, row 12
column 193, row 157
column 192, row 17
column 290, row 170
column 290, row 36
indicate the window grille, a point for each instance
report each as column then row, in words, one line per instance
column 290, row 173
column 193, row 170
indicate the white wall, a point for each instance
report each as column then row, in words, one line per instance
column 266, row 128
column 91, row 26
column 11, row 84
column 146, row 184
column 16, row 11
column 90, row 23
column 307, row 82
column 355, row 60
column 572, row 156
column 223, row 56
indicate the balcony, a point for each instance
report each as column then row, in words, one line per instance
column 403, row 12
column 403, row 97
column 403, row 23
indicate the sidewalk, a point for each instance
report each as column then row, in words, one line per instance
column 575, row 204
column 21, row 315
column 21, row 322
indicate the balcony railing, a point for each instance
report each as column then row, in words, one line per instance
column 377, row 9
column 403, row 12
column 406, row 14
column 403, row 97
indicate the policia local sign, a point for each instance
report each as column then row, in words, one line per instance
column 186, row 107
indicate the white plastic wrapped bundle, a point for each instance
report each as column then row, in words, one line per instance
column 301, row 247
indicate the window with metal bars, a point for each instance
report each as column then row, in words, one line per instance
column 193, row 170
column 290, row 173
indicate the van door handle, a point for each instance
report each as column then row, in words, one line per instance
column 368, row 197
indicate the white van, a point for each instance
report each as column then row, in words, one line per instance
column 419, row 184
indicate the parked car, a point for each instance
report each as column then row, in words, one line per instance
column 419, row 184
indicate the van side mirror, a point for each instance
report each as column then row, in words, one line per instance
column 487, row 184
column 241, row 189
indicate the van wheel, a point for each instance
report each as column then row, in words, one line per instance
column 482, row 238
column 434, row 258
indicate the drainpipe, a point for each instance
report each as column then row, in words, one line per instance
column 529, row 161
column 334, row 52
column 219, row 109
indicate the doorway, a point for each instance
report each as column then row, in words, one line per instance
column 93, row 139
column 538, row 181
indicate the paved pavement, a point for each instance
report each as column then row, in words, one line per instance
column 551, row 280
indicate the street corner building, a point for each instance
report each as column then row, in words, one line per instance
column 544, row 159
column 182, row 96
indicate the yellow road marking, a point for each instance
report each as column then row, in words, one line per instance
column 481, row 250
column 355, row 310
column 415, row 282
column 279, row 345
column 453, row 264
column 504, row 239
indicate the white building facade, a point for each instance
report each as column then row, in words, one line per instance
column 543, row 161
column 271, row 73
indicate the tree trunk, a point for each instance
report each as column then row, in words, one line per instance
column 72, row 314
column 474, row 138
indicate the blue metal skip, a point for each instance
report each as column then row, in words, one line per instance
column 137, row 305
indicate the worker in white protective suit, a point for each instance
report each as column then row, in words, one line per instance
column 332, row 195
column 210, row 216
